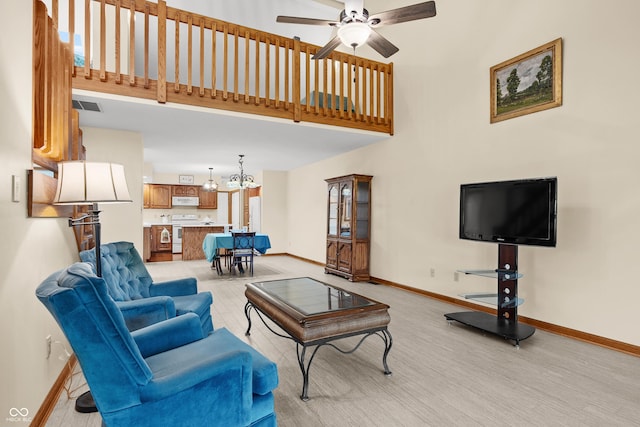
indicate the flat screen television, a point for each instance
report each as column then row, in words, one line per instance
column 518, row 212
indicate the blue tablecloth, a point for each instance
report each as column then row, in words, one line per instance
column 214, row 241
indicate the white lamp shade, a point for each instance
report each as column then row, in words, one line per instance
column 85, row 183
column 354, row 34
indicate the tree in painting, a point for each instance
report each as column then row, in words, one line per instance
column 528, row 84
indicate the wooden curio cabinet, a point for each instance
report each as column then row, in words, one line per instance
column 349, row 226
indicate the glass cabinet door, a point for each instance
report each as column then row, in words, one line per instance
column 332, row 229
column 345, row 209
column 362, row 210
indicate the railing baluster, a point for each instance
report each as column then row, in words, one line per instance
column 201, row 93
column 117, row 19
column 371, row 87
column 213, row 60
column 87, row 39
column 190, row 55
column 54, row 13
column 236, row 60
column 336, row 103
column 72, row 35
column 296, row 79
column 307, row 73
column 162, row 52
column 247, row 41
column 287, row 70
column 357, row 88
column 132, row 57
column 325, row 71
column 341, row 65
column 256, row 71
column 277, row 77
column 103, row 42
column 316, row 88
column 267, row 73
column 176, row 62
column 132, row 44
column 225, row 93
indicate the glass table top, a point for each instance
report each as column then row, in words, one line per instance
column 309, row 296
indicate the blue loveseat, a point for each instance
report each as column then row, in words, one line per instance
column 166, row 374
column 142, row 301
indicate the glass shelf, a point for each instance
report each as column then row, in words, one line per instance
column 495, row 274
column 492, row 299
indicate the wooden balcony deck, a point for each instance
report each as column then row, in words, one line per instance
column 149, row 50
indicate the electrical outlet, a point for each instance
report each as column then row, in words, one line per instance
column 48, row 341
column 456, row 276
column 433, row 272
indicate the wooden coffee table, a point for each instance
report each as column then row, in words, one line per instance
column 314, row 314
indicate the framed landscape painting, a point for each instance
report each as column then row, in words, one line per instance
column 528, row 83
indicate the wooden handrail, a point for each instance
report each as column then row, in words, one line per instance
column 223, row 65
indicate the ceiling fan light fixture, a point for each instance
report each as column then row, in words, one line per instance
column 354, row 34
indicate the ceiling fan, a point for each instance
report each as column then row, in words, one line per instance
column 356, row 27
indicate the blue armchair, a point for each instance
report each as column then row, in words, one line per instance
column 168, row 373
column 142, row 301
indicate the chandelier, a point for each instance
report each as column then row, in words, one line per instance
column 210, row 185
column 241, row 180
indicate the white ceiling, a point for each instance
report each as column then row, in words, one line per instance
column 190, row 140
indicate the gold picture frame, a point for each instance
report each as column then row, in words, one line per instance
column 528, row 83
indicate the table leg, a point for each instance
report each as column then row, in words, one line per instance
column 247, row 308
column 384, row 334
column 388, row 342
column 305, row 368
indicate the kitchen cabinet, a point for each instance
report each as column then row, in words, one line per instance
column 349, row 226
column 185, row 190
column 157, row 196
column 160, row 243
column 146, row 243
column 208, row 199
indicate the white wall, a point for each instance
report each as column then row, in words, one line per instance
column 32, row 247
column 275, row 210
column 121, row 221
column 443, row 139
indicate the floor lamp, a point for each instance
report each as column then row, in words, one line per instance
column 90, row 183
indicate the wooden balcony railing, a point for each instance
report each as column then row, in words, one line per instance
column 148, row 50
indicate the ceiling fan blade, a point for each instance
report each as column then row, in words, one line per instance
column 381, row 45
column 404, row 14
column 327, row 49
column 306, row 21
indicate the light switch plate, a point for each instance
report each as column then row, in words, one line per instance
column 16, row 188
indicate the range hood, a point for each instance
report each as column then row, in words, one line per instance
column 185, row 201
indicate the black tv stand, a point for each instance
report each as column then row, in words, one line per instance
column 505, row 324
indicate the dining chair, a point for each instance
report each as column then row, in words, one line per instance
column 243, row 247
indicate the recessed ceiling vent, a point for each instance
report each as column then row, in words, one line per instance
column 86, row 105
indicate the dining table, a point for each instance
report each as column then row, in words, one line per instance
column 214, row 241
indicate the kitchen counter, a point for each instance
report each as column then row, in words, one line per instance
column 193, row 236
